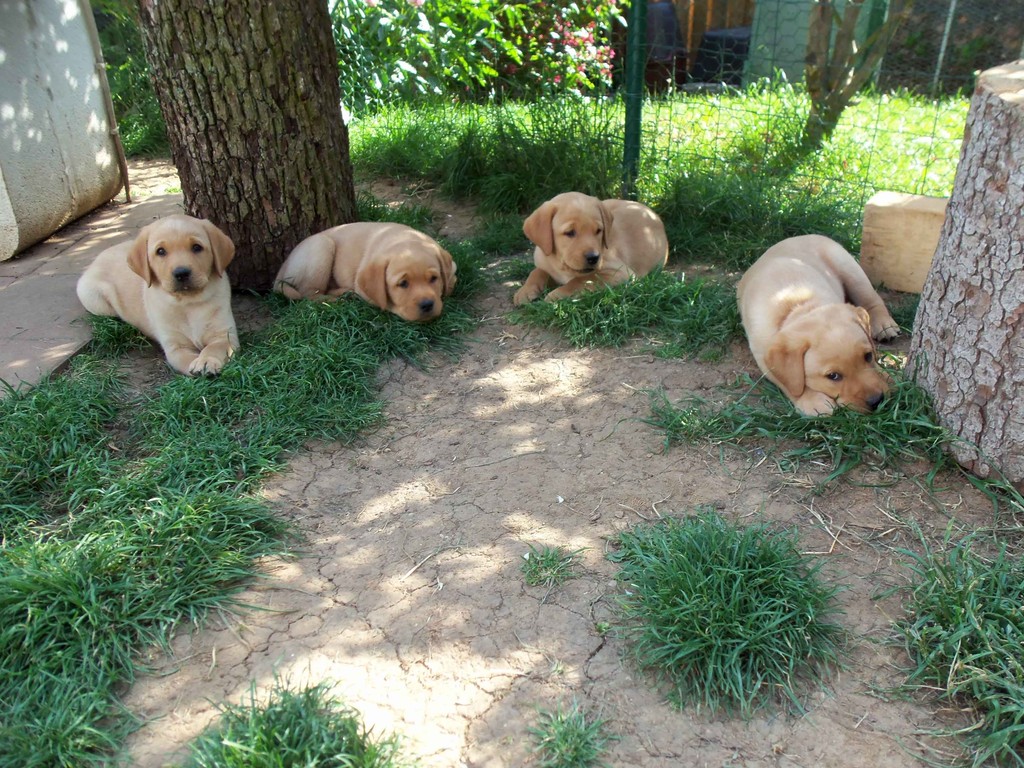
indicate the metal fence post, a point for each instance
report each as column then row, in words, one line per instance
column 636, row 60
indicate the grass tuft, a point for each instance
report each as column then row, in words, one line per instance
column 726, row 617
column 307, row 727
column 549, row 566
column 569, row 738
column 685, row 318
column 964, row 631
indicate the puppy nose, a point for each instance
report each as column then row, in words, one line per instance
column 181, row 274
column 427, row 305
column 592, row 258
column 875, row 400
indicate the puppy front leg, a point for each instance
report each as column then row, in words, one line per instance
column 218, row 350
column 577, row 284
column 533, row 287
column 813, row 403
column 180, row 356
column 860, row 291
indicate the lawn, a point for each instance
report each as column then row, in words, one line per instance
column 128, row 516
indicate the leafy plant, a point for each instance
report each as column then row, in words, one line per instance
column 139, row 119
column 725, row 617
column 399, row 50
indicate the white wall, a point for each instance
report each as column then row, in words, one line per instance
column 57, row 158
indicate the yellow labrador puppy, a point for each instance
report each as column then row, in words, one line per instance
column 169, row 282
column 584, row 243
column 805, row 336
column 390, row 265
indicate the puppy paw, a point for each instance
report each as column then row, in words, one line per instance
column 205, row 365
column 884, row 329
column 812, row 403
column 525, row 295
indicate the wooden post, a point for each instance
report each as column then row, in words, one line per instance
column 967, row 348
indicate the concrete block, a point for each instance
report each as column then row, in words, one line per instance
column 899, row 239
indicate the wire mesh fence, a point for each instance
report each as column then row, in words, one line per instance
column 724, row 80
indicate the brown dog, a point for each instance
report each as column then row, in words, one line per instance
column 169, row 283
column 584, row 243
column 390, row 265
column 805, row 337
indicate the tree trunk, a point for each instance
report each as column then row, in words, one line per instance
column 838, row 66
column 249, row 91
column 967, row 349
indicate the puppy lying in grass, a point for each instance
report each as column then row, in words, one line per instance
column 390, row 265
column 811, row 318
column 170, row 283
column 584, row 243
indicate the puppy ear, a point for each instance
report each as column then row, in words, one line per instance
column 138, row 256
column 448, row 270
column 785, row 359
column 864, row 319
column 537, row 227
column 223, row 247
column 371, row 280
column 606, row 223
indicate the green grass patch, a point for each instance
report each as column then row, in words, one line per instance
column 124, row 516
column 306, row 727
column 570, row 737
column 682, row 317
column 901, row 431
column 56, row 441
column 507, row 158
column 549, row 566
column 964, row 631
column 726, row 617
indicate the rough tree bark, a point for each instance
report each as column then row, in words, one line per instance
column 967, row 350
column 249, row 91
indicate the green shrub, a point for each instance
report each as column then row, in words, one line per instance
column 395, row 50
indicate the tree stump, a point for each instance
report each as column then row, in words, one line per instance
column 967, row 349
column 249, row 91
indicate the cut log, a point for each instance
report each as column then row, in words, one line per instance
column 899, row 239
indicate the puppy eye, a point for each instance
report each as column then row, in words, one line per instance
column 197, row 248
column 868, row 357
column 834, row 376
column 599, row 231
column 403, row 284
column 161, row 251
column 571, row 233
column 433, row 278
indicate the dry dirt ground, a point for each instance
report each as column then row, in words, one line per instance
column 409, row 597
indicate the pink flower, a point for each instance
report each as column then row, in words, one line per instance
column 416, row 3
